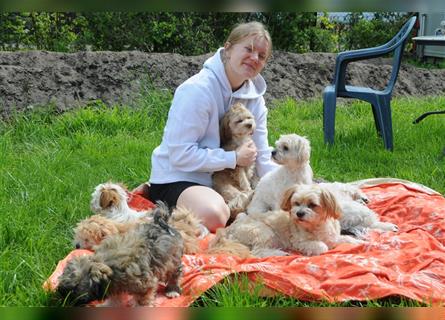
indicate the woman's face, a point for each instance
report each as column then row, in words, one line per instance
column 246, row 59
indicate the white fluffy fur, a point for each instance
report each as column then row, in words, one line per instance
column 110, row 200
column 292, row 152
column 356, row 217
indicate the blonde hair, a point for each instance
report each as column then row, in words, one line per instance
column 244, row 30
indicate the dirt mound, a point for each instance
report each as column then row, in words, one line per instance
column 32, row 78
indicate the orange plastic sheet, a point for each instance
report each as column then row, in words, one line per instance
column 410, row 263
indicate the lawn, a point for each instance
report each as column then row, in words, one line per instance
column 50, row 164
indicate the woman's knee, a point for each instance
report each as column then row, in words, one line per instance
column 207, row 205
column 215, row 215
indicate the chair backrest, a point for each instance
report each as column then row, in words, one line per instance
column 398, row 44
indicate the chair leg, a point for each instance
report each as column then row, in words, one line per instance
column 329, row 106
column 385, row 121
column 376, row 120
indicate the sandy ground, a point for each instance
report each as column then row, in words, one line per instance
column 33, row 78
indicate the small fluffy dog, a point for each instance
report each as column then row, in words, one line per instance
column 93, row 230
column 235, row 185
column 110, row 200
column 133, row 262
column 190, row 228
column 293, row 153
column 307, row 222
column 356, row 218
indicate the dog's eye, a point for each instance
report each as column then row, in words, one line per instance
column 311, row 205
column 285, row 148
column 239, row 121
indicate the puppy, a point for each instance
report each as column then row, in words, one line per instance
column 91, row 231
column 292, row 152
column 190, row 228
column 235, row 185
column 134, row 262
column 356, row 219
column 306, row 222
column 110, row 200
column 315, row 212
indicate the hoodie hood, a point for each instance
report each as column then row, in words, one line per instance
column 251, row 89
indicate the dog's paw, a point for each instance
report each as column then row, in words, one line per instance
column 172, row 294
column 387, row 226
column 393, row 227
column 315, row 248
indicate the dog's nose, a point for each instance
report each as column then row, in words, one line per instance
column 274, row 152
column 248, row 125
column 300, row 214
column 77, row 246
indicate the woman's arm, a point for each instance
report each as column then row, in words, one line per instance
column 192, row 133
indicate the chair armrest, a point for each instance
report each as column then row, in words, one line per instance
column 363, row 54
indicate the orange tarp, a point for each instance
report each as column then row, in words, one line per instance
column 410, row 263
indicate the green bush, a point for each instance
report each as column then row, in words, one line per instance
column 188, row 33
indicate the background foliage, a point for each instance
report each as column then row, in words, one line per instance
column 189, row 33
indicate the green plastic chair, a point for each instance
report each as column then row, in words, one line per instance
column 379, row 100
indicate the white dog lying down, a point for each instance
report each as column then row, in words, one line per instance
column 110, row 200
column 292, row 152
column 356, row 217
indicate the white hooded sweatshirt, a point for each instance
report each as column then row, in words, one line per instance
column 190, row 148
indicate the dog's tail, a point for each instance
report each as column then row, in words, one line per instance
column 161, row 215
column 221, row 244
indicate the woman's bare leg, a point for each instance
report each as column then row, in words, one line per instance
column 207, row 204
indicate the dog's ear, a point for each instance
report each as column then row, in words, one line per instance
column 329, row 202
column 224, row 129
column 286, row 204
column 108, row 198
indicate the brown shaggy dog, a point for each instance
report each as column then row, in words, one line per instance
column 235, row 185
column 134, row 262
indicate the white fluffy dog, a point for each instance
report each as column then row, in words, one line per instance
column 308, row 223
column 110, row 200
column 293, row 153
column 356, row 217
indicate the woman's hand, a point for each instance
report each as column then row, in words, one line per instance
column 246, row 154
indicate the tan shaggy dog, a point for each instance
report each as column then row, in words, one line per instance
column 308, row 222
column 93, row 230
column 235, row 185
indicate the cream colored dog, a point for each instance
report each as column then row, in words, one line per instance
column 110, row 200
column 93, row 230
column 235, row 185
column 293, row 153
column 308, row 222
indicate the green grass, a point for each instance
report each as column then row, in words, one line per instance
column 51, row 163
column 427, row 63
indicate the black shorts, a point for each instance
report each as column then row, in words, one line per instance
column 169, row 192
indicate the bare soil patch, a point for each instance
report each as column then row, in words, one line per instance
column 68, row 80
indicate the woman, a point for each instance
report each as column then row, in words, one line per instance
column 182, row 165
